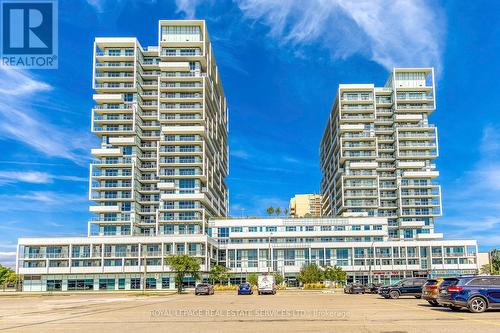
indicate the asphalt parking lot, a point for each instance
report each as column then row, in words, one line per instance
column 287, row 311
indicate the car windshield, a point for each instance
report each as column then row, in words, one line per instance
column 245, row 285
column 202, row 285
column 448, row 282
column 431, row 282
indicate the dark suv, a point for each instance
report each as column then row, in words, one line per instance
column 477, row 293
column 405, row 287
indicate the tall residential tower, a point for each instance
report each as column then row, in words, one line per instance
column 377, row 153
column 161, row 117
column 305, row 205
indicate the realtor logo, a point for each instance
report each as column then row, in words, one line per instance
column 29, row 33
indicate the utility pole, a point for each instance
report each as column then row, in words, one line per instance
column 269, row 253
column 145, row 272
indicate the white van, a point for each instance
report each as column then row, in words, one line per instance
column 266, row 284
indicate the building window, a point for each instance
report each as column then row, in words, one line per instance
column 150, row 283
column 135, row 283
column 81, row 284
column 54, row 285
column 165, row 283
column 106, row 284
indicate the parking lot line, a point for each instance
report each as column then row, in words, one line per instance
column 455, row 315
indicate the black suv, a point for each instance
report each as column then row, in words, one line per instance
column 405, row 287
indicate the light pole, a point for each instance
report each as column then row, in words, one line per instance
column 370, row 266
column 269, row 253
column 145, row 272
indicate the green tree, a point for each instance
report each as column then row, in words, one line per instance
column 310, row 273
column 182, row 265
column 270, row 211
column 219, row 274
column 7, row 276
column 489, row 269
column 278, row 211
column 252, row 279
column 495, row 259
column 341, row 275
column 330, row 274
column 278, row 278
column 4, row 273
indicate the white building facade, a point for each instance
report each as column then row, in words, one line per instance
column 377, row 153
column 361, row 246
column 158, row 183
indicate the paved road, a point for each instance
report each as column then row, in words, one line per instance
column 288, row 311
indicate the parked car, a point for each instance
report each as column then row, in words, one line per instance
column 245, row 289
column 204, row 289
column 430, row 291
column 266, row 284
column 372, row 288
column 354, row 288
column 476, row 293
column 405, row 287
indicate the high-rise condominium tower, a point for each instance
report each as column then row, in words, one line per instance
column 377, row 153
column 161, row 117
column 305, row 205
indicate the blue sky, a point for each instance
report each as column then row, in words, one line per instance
column 280, row 63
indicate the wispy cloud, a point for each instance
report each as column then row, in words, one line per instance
column 391, row 33
column 188, row 7
column 471, row 203
column 105, row 5
column 239, row 154
column 20, row 122
column 8, row 259
column 43, row 201
column 34, row 177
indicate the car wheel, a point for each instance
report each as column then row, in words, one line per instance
column 433, row 303
column 196, row 294
column 394, row 294
column 455, row 308
column 477, row 305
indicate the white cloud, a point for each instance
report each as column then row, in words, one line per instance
column 239, row 154
column 18, row 120
column 471, row 204
column 391, row 33
column 8, row 259
column 34, row 177
column 102, row 6
column 43, row 201
column 188, row 7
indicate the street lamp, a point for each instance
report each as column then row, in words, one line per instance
column 269, row 253
column 370, row 266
